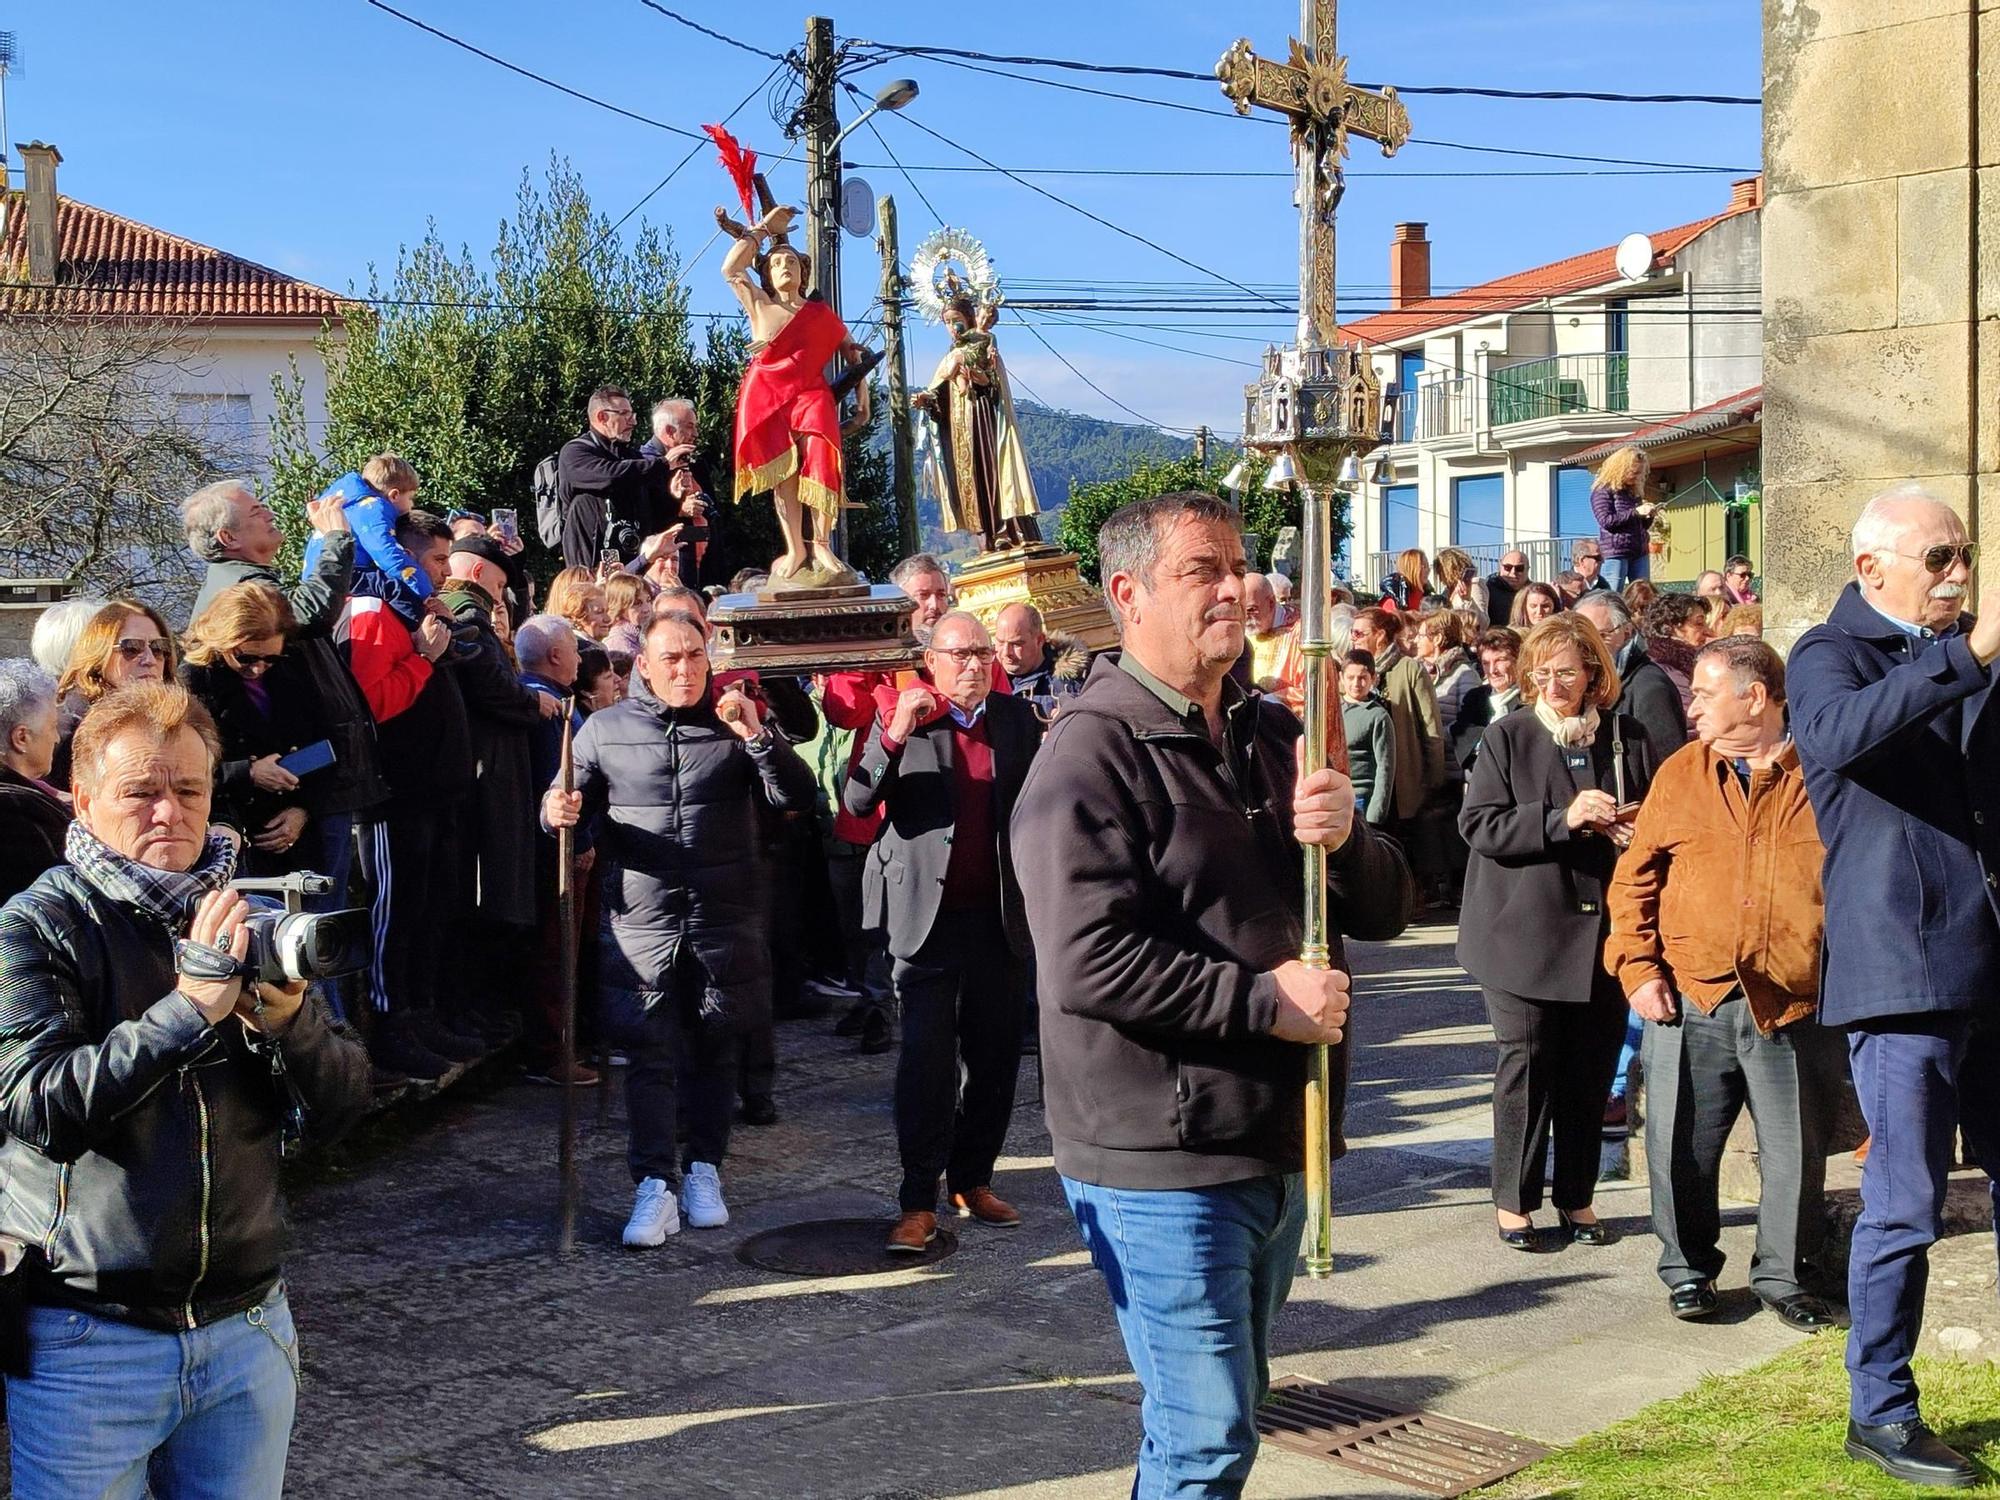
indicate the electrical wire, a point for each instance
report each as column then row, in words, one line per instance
column 889, row 151
column 944, row 53
column 1162, row 426
column 693, row 152
column 776, row 57
column 906, row 116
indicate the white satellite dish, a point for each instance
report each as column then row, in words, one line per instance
column 1635, row 257
column 857, row 207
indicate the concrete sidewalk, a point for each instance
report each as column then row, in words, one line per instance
column 448, row 1352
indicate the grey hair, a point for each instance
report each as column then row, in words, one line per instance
column 1281, row 584
column 57, row 629
column 1340, row 629
column 914, row 566
column 26, row 693
column 677, row 411
column 1616, row 610
column 1749, row 660
column 1881, row 525
column 964, row 615
column 536, row 637
column 211, row 510
column 1130, row 540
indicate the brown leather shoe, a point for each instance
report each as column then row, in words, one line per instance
column 983, row 1204
column 913, row 1233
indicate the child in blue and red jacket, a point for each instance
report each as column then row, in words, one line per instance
column 376, row 497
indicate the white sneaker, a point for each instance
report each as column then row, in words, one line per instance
column 654, row 1215
column 703, row 1191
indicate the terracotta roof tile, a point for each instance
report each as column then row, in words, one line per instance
column 1576, row 274
column 109, row 264
column 1739, row 410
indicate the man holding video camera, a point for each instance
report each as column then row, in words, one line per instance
column 147, row 1089
column 608, row 486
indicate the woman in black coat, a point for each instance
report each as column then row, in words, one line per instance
column 1547, row 811
column 264, row 707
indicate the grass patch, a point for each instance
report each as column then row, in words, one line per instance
column 1772, row 1431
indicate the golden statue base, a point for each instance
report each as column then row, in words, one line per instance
column 1045, row 577
column 865, row 628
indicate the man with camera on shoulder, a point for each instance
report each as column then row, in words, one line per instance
column 607, row 485
column 147, row 1086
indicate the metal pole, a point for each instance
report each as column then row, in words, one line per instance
column 901, row 447
column 823, row 192
column 1316, row 647
column 566, row 915
column 1201, row 445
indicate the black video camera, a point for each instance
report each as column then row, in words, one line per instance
column 289, row 943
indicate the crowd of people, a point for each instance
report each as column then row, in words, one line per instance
column 1590, row 759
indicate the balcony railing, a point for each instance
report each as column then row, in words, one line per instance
column 1562, row 385
column 1446, row 408
column 1547, row 556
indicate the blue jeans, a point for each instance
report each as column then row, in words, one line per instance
column 1619, row 571
column 115, row 1412
column 1635, row 1033
column 1196, row 1276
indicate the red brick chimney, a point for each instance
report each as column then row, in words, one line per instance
column 40, row 161
column 1409, row 266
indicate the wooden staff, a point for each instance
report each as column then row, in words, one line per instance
column 566, row 915
column 1316, row 647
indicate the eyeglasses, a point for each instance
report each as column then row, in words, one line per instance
column 1544, row 676
column 1513, row 567
column 1590, row 557
column 1937, row 559
column 1745, row 572
column 250, row 661
column 966, row 655
column 133, row 650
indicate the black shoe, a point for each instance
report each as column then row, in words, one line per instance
column 1597, row 1233
column 1693, row 1300
column 395, row 1048
column 1911, row 1452
column 1526, row 1238
column 856, row 1018
column 430, row 1029
column 877, row 1035
column 1803, row 1311
column 760, row 1109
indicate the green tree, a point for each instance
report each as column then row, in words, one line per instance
column 1265, row 512
column 476, row 372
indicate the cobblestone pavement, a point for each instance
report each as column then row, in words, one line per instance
column 448, row 1352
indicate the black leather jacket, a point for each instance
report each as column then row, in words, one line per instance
column 141, row 1158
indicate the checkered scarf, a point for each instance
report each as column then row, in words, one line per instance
column 167, row 896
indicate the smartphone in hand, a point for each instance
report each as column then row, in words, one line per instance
column 506, row 527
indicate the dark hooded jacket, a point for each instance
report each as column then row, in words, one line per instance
column 674, row 797
column 502, row 713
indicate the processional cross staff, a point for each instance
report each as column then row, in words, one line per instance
column 1316, row 410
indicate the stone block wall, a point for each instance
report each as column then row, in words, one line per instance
column 1881, row 249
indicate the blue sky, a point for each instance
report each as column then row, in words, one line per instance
column 318, row 135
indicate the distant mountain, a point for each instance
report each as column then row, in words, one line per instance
column 1064, row 448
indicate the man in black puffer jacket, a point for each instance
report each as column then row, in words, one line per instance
column 145, row 1091
column 674, row 783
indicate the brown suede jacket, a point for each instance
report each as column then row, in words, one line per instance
column 1720, row 890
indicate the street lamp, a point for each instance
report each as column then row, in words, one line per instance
column 893, row 96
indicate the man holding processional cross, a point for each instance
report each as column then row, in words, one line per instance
column 1200, row 861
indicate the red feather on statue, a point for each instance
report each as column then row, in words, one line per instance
column 741, row 166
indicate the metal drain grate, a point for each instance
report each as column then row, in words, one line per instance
column 1416, row 1448
column 837, row 1247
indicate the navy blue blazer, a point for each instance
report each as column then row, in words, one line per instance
column 1902, row 763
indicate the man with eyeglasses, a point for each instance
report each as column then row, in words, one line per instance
column 1502, row 586
column 1900, row 746
column 946, row 768
column 607, row 484
column 1586, row 560
column 1736, row 576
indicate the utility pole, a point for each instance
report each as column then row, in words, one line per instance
column 900, row 446
column 1201, row 446
column 823, row 186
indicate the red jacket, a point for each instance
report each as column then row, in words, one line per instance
column 855, row 700
column 383, row 657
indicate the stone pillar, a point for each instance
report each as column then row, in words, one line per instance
column 1881, row 277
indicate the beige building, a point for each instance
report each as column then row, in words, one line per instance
column 1882, row 276
column 242, row 323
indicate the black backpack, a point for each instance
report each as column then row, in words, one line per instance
column 549, row 507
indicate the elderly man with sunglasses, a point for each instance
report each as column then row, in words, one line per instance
column 1901, row 751
column 1502, row 586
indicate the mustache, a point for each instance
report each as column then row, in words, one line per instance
column 1224, row 612
column 1948, row 591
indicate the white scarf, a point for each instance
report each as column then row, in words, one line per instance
column 1571, row 733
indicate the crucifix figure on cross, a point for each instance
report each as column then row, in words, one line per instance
column 1312, row 91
